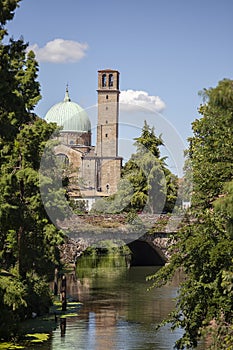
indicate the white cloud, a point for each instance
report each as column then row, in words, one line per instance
column 60, row 51
column 133, row 99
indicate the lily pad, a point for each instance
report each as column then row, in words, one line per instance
column 37, row 337
column 71, row 309
column 69, row 315
column 9, row 346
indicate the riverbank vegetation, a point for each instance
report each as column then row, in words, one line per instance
column 204, row 248
column 28, row 240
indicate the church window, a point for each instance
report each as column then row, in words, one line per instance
column 106, row 135
column 106, row 122
column 110, row 80
column 106, row 97
column 106, row 108
column 104, row 80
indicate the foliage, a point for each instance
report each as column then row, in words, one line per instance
column 78, row 207
column 146, row 183
column 7, row 8
column 37, row 290
column 211, row 147
column 224, row 205
column 28, row 239
column 204, row 251
column 12, row 299
column 204, row 247
column 13, row 292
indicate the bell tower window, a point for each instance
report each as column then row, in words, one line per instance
column 104, row 80
column 110, row 80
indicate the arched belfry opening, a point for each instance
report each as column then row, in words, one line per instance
column 110, row 80
column 104, row 80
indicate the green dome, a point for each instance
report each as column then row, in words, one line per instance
column 69, row 115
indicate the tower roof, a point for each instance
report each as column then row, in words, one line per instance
column 69, row 115
column 108, row 70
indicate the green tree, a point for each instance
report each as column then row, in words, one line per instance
column 155, row 187
column 224, row 204
column 211, row 147
column 25, row 227
column 204, row 247
column 28, row 239
column 146, row 183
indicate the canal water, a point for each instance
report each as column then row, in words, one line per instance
column 117, row 312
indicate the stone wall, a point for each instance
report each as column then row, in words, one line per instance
column 71, row 250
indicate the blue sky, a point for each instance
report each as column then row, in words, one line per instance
column 167, row 50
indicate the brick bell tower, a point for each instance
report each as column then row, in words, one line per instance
column 108, row 112
column 109, row 163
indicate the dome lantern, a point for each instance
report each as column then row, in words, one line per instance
column 67, row 97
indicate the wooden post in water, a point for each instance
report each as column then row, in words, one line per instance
column 63, row 326
column 63, row 293
column 55, row 283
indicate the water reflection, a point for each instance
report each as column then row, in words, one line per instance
column 63, row 326
column 118, row 312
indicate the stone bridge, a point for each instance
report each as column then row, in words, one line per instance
column 150, row 249
column 147, row 239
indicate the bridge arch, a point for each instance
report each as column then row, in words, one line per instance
column 146, row 254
